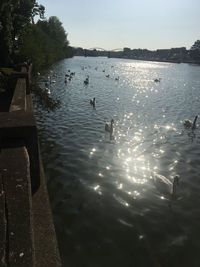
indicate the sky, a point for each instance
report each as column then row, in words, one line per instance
column 112, row 24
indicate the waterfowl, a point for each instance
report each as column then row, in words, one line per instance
column 157, row 80
column 93, row 102
column 107, row 76
column 117, row 79
column 189, row 124
column 165, row 186
column 109, row 127
column 86, row 80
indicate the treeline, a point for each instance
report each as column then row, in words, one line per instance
column 21, row 39
column 45, row 42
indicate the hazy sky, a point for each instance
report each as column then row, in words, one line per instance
column 114, row 24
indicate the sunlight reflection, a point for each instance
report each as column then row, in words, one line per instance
column 92, row 151
column 121, row 201
column 137, row 180
column 97, row 189
column 120, row 186
column 141, row 237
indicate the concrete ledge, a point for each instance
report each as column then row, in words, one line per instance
column 45, row 242
column 16, row 75
column 21, row 125
column 19, row 97
column 3, row 231
column 15, row 183
column 27, row 234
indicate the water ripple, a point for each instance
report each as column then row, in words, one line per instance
column 101, row 188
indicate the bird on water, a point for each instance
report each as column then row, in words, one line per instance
column 93, row 102
column 168, row 188
column 109, row 127
column 188, row 124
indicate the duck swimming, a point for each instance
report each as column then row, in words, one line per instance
column 109, row 127
column 189, row 124
column 86, row 80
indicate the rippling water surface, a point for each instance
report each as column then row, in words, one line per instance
column 108, row 208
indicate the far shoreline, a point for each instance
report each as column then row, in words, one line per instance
column 152, row 60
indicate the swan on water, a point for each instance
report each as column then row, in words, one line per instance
column 189, row 124
column 109, row 127
column 93, row 102
column 166, row 186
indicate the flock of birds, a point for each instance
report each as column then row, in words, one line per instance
column 167, row 187
column 68, row 77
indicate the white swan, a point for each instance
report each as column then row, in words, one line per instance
column 165, row 186
column 93, row 102
column 189, row 124
column 109, row 127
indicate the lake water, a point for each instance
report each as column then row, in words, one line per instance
column 108, row 208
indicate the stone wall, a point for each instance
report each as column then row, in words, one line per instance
column 27, row 234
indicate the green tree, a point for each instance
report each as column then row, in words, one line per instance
column 15, row 17
column 38, row 10
column 45, row 42
column 21, row 38
column 195, row 51
column 6, row 41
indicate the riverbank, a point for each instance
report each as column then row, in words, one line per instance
column 27, row 234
